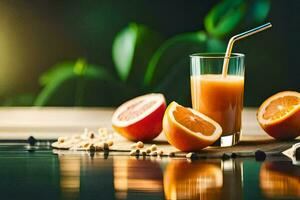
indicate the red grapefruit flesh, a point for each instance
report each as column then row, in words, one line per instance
column 140, row 119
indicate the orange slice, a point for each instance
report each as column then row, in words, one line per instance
column 279, row 115
column 188, row 129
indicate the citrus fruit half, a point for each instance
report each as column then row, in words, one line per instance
column 140, row 119
column 189, row 130
column 279, row 115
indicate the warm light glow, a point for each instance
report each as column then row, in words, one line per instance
column 131, row 174
column 276, row 182
column 200, row 180
column 70, row 176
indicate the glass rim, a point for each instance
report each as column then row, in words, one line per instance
column 216, row 55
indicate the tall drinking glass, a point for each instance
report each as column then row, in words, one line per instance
column 217, row 96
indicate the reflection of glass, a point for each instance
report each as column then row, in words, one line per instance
column 232, row 179
column 203, row 180
column 133, row 176
column 280, row 180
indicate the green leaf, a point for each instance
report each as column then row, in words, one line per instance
column 224, row 17
column 215, row 45
column 258, row 11
column 93, row 86
column 55, row 71
column 174, row 50
column 132, row 48
column 80, row 67
column 123, row 50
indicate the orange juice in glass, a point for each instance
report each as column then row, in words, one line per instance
column 217, row 96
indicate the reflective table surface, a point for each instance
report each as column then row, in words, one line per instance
column 38, row 173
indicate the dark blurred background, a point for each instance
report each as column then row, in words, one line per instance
column 98, row 53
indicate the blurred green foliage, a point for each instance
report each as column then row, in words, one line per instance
column 144, row 62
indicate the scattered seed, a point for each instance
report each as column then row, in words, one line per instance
column 148, row 150
column 31, row 140
column 140, row 144
column 226, row 156
column 134, row 152
column 260, row 155
column 86, row 145
column 160, row 152
column 92, row 147
column 110, row 142
column 99, row 146
column 171, row 154
column 143, row 153
column 153, row 153
column 83, row 144
column 190, row 155
column 234, row 155
column 85, row 140
column 91, row 135
column 61, row 139
column 105, row 146
column 153, row 147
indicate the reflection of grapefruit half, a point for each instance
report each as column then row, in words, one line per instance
column 140, row 118
column 133, row 176
column 196, row 180
column 188, row 129
column 279, row 115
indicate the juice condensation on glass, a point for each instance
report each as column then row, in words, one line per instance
column 220, row 98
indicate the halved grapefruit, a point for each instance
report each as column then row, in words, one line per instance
column 140, row 119
column 279, row 115
column 189, row 130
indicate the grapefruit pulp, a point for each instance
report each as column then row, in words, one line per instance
column 189, row 130
column 279, row 115
column 140, row 119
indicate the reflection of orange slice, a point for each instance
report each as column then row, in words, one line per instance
column 279, row 115
column 196, row 180
column 188, row 129
column 280, row 180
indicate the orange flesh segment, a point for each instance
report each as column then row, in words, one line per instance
column 280, row 107
column 135, row 110
column 193, row 122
